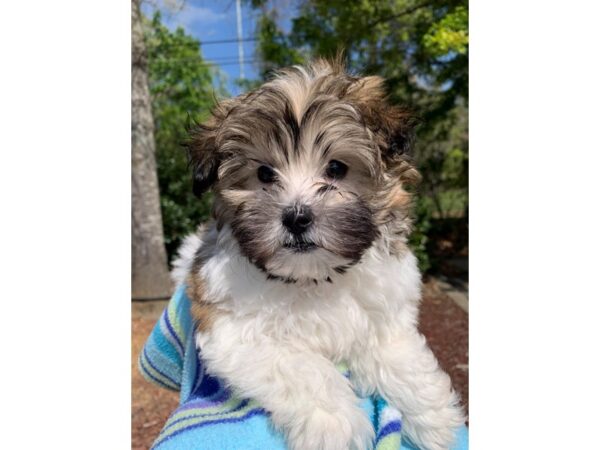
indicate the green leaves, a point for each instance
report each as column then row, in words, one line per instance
column 449, row 35
column 272, row 46
column 181, row 86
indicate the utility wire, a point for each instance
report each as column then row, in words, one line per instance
column 224, row 58
column 207, row 62
column 233, row 63
column 201, row 42
column 226, row 41
column 205, row 58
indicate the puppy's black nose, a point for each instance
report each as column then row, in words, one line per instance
column 297, row 219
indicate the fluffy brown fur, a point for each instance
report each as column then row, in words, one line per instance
column 309, row 174
column 295, row 124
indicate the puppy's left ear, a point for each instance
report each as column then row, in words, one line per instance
column 392, row 126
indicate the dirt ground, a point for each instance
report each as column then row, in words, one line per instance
column 150, row 405
column 446, row 327
column 444, row 324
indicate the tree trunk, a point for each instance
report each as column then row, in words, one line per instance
column 150, row 276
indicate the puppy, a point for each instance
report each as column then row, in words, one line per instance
column 306, row 263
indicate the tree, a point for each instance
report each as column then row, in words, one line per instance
column 181, row 88
column 150, row 277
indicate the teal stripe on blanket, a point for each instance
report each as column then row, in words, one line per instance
column 150, row 370
column 167, row 342
column 209, row 417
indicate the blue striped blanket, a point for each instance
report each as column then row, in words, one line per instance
column 209, row 417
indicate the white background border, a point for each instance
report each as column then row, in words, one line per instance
column 65, row 227
column 65, row 184
column 534, row 225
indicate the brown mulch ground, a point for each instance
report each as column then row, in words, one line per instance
column 442, row 321
column 150, row 405
column 446, row 327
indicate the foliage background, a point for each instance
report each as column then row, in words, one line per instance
column 419, row 47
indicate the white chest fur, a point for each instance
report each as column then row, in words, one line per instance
column 378, row 294
column 275, row 342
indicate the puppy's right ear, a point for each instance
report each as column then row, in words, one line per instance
column 392, row 126
column 203, row 157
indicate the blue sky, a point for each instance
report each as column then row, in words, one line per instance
column 209, row 21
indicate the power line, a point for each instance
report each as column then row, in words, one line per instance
column 223, row 58
column 246, row 61
column 228, row 61
column 225, row 41
column 206, row 58
column 207, row 62
column 201, row 42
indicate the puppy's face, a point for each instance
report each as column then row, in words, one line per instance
column 307, row 170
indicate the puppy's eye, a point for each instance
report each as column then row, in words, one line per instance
column 336, row 169
column 266, row 174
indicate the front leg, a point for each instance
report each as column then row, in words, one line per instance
column 406, row 373
column 309, row 400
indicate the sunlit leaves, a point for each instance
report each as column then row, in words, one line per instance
column 449, row 35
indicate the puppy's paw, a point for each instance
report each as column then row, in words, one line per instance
column 342, row 429
column 435, row 430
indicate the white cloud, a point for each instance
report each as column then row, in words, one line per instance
column 200, row 15
column 178, row 13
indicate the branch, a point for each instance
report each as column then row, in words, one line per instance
column 403, row 13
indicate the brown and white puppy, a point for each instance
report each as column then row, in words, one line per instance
column 305, row 264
